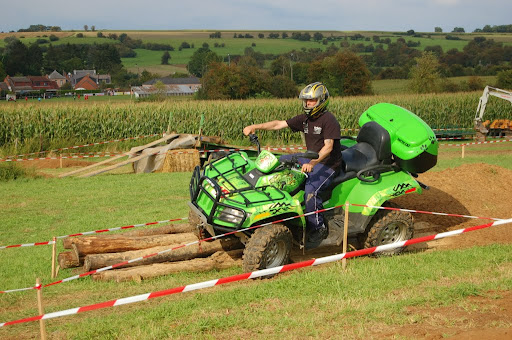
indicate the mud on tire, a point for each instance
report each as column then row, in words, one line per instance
column 268, row 247
column 388, row 226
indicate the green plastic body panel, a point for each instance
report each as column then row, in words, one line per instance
column 266, row 161
column 410, row 135
column 390, row 185
column 288, row 180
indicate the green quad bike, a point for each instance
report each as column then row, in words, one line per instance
column 235, row 192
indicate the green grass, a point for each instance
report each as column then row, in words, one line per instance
column 496, row 154
column 315, row 302
column 402, row 86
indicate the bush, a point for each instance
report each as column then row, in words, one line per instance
column 504, row 80
column 53, row 37
column 11, row 171
column 475, row 83
column 449, row 86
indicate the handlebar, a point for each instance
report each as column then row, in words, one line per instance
column 254, row 140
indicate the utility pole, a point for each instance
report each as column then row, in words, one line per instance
column 291, row 68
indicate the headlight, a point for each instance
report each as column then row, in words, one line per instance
column 231, row 215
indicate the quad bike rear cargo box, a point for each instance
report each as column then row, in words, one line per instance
column 413, row 143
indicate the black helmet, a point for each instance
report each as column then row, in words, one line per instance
column 315, row 91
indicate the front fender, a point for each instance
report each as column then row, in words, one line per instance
column 276, row 211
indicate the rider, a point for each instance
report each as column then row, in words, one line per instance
column 322, row 132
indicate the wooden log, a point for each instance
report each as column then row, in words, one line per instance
column 203, row 249
column 120, row 243
column 68, row 259
column 219, row 260
column 166, row 229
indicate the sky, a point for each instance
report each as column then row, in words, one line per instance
column 337, row 15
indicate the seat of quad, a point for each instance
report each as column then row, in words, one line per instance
column 373, row 148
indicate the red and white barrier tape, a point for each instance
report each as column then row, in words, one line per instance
column 478, row 143
column 220, row 236
column 251, row 275
column 58, row 157
column 93, row 232
column 84, row 145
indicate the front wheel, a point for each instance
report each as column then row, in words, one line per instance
column 389, row 226
column 268, row 247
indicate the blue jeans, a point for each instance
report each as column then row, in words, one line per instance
column 317, row 181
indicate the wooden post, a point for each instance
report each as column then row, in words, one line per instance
column 463, row 151
column 345, row 235
column 54, row 255
column 60, row 161
column 40, row 309
column 169, row 124
column 201, row 122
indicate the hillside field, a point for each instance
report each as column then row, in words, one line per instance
column 150, row 60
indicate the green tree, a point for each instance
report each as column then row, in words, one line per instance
column 86, row 28
column 280, row 66
column 147, row 76
column 504, row 79
column 66, row 86
column 16, row 59
column 35, row 60
column 104, row 57
column 220, row 82
column 2, row 71
column 165, row 58
column 318, row 36
column 438, row 30
column 283, row 87
column 200, row 60
column 425, row 75
column 344, row 74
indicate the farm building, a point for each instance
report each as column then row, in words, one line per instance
column 21, row 85
column 58, row 78
column 166, row 90
column 78, row 77
column 192, row 82
column 167, row 86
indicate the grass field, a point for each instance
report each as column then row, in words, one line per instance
column 324, row 301
column 398, row 86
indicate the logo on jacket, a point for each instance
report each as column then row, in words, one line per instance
column 317, row 130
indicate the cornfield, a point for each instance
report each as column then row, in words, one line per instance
column 34, row 127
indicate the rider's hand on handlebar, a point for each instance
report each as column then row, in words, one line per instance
column 249, row 130
column 308, row 167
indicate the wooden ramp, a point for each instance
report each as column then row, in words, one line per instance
column 130, row 160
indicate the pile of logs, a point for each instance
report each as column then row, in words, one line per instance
column 102, row 250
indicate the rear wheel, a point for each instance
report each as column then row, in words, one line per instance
column 268, row 247
column 389, row 226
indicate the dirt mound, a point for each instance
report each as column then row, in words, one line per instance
column 472, row 189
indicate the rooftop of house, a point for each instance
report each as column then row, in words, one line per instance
column 56, row 75
column 174, row 81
